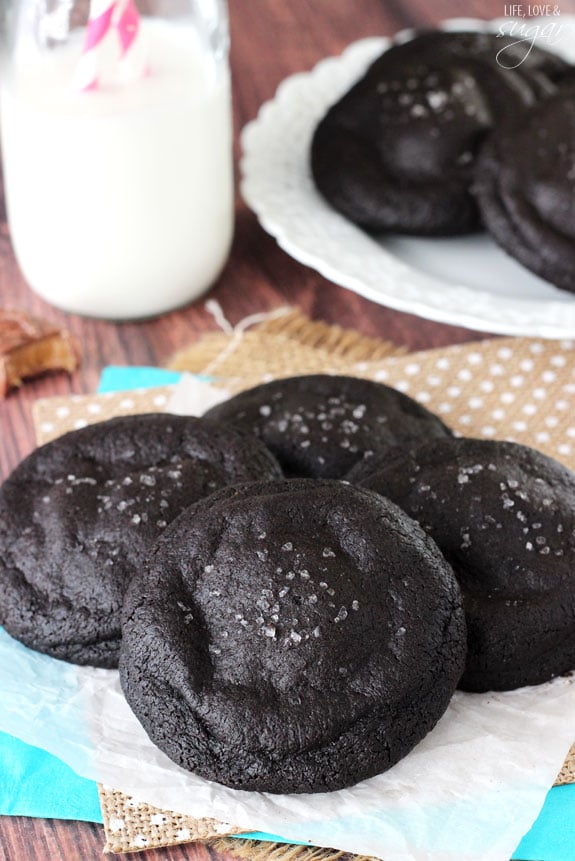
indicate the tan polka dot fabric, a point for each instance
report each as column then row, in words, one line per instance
column 56, row 416
column 508, row 389
column 516, row 389
column 132, row 825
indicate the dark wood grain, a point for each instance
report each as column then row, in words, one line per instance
column 270, row 40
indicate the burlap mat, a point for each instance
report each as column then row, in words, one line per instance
column 520, row 389
column 133, row 825
column 285, row 343
column 256, row 850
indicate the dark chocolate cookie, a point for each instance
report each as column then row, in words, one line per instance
column 294, row 636
column 78, row 516
column 319, row 426
column 397, row 152
column 525, row 187
column 504, row 517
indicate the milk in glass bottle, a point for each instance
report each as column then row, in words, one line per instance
column 117, row 150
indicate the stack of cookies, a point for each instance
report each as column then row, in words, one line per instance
column 449, row 132
column 294, row 585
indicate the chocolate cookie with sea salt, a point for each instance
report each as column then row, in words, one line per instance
column 525, row 187
column 504, row 516
column 294, row 636
column 78, row 516
column 397, row 152
column 319, row 426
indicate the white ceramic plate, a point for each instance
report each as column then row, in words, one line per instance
column 466, row 281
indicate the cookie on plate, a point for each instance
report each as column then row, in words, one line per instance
column 320, row 426
column 397, row 152
column 78, row 516
column 525, row 188
column 504, row 517
column 294, row 636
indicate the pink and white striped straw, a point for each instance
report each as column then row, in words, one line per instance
column 111, row 45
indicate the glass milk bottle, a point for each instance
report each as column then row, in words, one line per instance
column 117, row 151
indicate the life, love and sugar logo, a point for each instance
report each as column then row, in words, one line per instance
column 527, row 24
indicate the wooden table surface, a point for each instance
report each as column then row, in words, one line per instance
column 270, row 40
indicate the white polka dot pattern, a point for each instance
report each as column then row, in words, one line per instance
column 516, row 389
column 56, row 416
column 133, row 825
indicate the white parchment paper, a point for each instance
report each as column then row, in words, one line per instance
column 468, row 792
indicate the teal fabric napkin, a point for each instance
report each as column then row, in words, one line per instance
column 117, row 378
column 35, row 783
column 552, row 837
